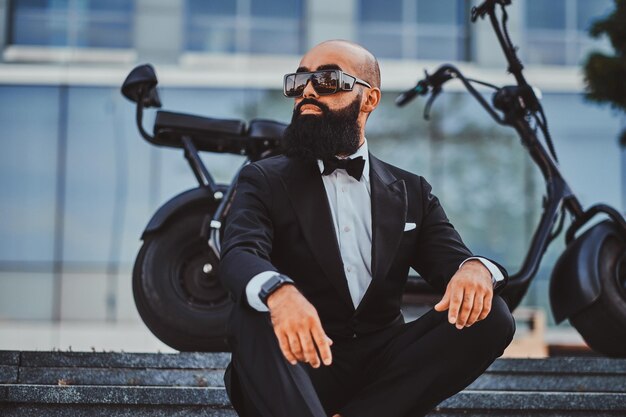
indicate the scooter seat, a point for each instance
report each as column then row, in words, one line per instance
column 216, row 135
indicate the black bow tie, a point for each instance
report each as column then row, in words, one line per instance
column 354, row 167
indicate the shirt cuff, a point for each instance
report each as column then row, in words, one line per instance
column 254, row 287
column 496, row 274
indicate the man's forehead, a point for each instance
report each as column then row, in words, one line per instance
column 303, row 68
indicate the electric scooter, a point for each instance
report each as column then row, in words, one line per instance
column 588, row 282
column 175, row 285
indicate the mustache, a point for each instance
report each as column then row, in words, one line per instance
column 305, row 101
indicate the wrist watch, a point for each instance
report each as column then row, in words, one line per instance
column 272, row 285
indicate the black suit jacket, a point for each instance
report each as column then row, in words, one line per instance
column 280, row 220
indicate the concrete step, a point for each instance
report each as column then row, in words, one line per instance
column 162, row 401
column 206, row 370
column 190, row 384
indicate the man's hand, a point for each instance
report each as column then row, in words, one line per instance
column 468, row 295
column 298, row 327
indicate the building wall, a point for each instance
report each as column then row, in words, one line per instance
column 79, row 184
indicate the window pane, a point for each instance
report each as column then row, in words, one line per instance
column 202, row 35
column 28, row 172
column 271, row 26
column 274, row 41
column 109, row 34
column 438, row 48
column 590, row 10
column 211, row 7
column 26, row 295
column 276, row 8
column 126, row 6
column 97, row 175
column 438, row 12
column 546, row 50
column 380, row 11
column 96, row 23
column 544, row 14
column 382, row 45
column 35, row 23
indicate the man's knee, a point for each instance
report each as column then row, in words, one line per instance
column 499, row 325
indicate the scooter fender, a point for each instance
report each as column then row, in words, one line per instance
column 575, row 282
column 199, row 196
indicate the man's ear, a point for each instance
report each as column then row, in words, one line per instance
column 372, row 98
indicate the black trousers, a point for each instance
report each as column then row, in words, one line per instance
column 402, row 371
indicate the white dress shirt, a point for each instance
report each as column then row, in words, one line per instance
column 350, row 206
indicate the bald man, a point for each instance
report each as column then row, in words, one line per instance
column 316, row 251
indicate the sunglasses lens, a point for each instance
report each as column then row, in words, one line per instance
column 293, row 86
column 325, row 82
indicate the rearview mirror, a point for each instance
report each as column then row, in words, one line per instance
column 141, row 84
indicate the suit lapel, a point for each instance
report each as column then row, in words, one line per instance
column 389, row 207
column 307, row 194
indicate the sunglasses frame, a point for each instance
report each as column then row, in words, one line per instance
column 342, row 85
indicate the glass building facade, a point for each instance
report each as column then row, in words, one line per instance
column 557, row 30
column 414, row 29
column 244, row 26
column 72, row 23
column 79, row 184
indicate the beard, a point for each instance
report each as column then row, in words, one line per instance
column 311, row 137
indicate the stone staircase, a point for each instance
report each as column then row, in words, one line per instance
column 190, row 384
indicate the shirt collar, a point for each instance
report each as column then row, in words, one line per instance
column 362, row 152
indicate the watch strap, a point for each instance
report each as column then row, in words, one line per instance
column 273, row 284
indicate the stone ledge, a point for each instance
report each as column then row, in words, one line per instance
column 112, row 410
column 9, row 357
column 552, row 382
column 72, row 410
column 91, row 394
column 122, row 376
column 8, row 374
column 194, row 360
column 184, row 360
column 217, row 398
column 214, row 378
column 523, row 413
column 517, row 400
column 573, row 365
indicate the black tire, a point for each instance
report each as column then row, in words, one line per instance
column 603, row 323
column 183, row 306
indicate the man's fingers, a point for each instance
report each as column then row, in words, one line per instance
column 283, row 342
column 486, row 306
column 298, row 329
column 323, row 343
column 294, row 345
column 466, row 309
column 456, row 299
column 308, row 349
column 445, row 302
column 477, row 309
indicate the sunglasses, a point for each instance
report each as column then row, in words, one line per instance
column 324, row 82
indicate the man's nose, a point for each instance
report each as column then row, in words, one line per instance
column 309, row 91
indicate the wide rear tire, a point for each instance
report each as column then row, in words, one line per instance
column 603, row 323
column 176, row 288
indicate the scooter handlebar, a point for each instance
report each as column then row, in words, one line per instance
column 419, row 90
column 429, row 83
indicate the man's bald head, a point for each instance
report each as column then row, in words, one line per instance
column 361, row 59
